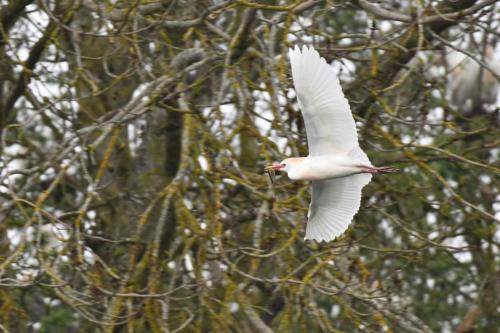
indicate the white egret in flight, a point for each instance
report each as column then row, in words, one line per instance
column 336, row 165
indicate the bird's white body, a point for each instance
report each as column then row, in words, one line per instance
column 336, row 165
column 325, row 167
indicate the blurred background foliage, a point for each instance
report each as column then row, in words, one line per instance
column 134, row 136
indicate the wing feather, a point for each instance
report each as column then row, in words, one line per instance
column 334, row 203
column 328, row 119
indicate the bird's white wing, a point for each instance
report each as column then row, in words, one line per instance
column 334, row 203
column 329, row 123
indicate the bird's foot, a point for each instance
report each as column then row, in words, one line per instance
column 372, row 169
column 387, row 169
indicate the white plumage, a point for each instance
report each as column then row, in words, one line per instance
column 337, row 166
column 327, row 116
column 334, row 202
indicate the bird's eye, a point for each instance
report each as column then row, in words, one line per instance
column 284, row 164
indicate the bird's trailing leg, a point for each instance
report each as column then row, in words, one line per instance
column 372, row 169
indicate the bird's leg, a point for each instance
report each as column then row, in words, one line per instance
column 367, row 169
column 386, row 169
column 372, row 169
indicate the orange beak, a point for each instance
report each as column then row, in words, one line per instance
column 274, row 167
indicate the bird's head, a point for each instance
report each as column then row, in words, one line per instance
column 289, row 165
column 277, row 168
column 284, row 165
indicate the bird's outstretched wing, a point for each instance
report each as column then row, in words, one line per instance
column 334, row 203
column 329, row 123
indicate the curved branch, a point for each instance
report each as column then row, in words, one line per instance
column 394, row 16
column 458, row 14
column 384, row 13
column 25, row 76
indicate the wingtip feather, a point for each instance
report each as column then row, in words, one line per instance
column 326, row 223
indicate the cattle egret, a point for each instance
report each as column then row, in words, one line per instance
column 336, row 165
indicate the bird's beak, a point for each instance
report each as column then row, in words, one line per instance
column 271, row 170
column 274, row 167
